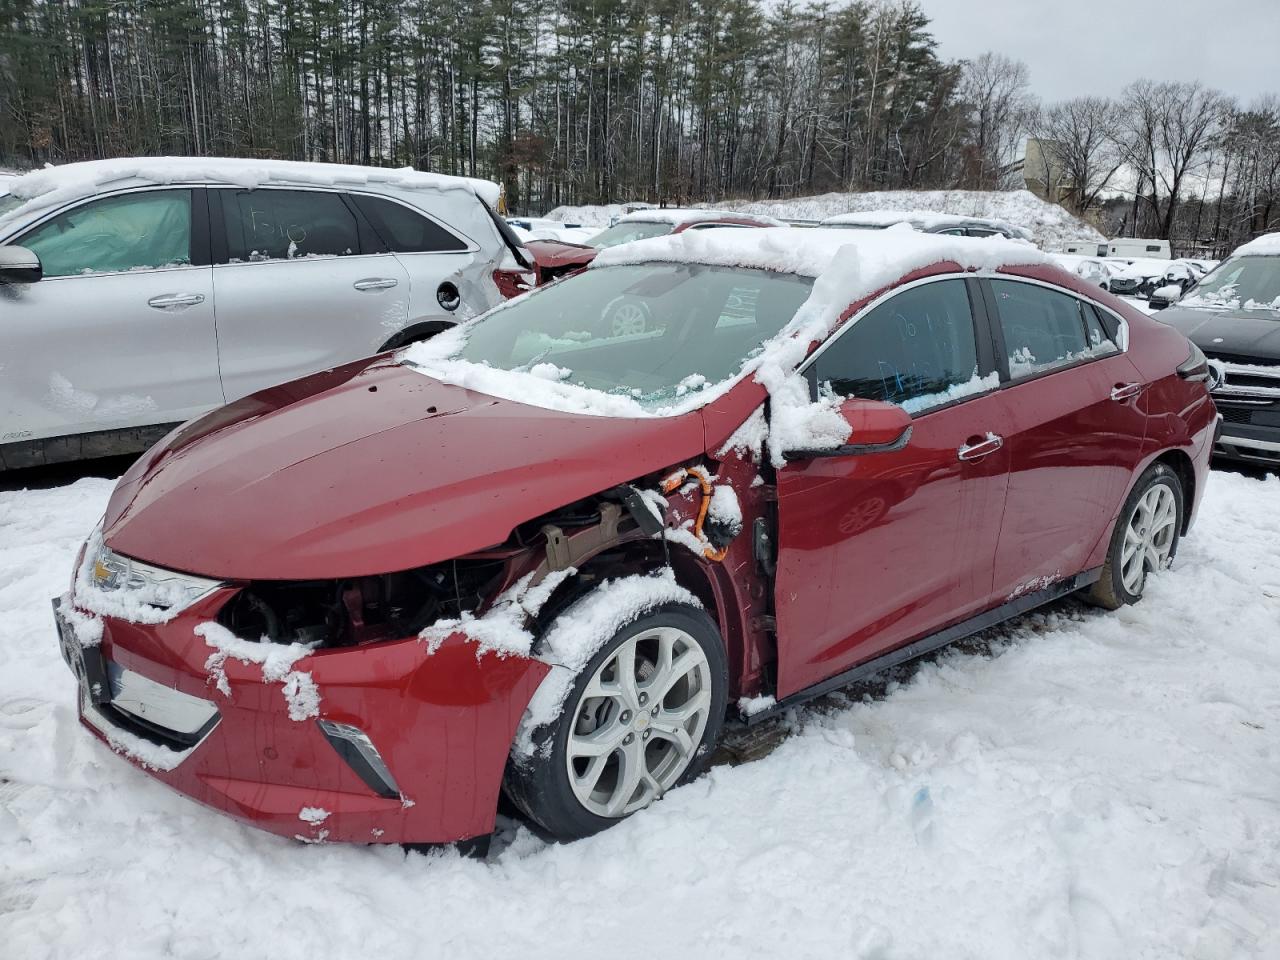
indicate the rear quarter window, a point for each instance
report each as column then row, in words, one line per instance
column 404, row 230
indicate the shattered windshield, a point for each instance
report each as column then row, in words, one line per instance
column 652, row 334
column 1243, row 283
column 629, row 232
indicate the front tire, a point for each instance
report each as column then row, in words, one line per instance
column 641, row 718
column 1145, row 539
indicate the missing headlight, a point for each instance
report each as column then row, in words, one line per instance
column 342, row 613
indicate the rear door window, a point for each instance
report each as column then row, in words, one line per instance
column 1046, row 329
column 147, row 230
column 917, row 349
column 405, row 231
column 287, row 224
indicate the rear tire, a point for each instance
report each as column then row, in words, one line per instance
column 618, row 746
column 1145, row 538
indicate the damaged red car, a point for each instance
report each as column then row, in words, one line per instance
column 537, row 557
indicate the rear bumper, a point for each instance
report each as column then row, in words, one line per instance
column 442, row 723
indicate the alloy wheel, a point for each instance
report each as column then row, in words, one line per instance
column 639, row 722
column 1148, row 537
column 628, row 319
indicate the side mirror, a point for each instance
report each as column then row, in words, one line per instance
column 875, row 427
column 1165, row 296
column 19, row 265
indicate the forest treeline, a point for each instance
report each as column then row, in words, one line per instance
column 577, row 101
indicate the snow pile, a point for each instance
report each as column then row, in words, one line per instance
column 276, row 660
column 578, row 634
column 505, row 628
column 1049, row 224
column 599, row 215
column 54, row 186
column 1081, row 784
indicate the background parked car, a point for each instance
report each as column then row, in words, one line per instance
column 561, row 258
column 926, row 222
column 304, row 266
column 1136, row 277
column 1233, row 315
column 1092, row 270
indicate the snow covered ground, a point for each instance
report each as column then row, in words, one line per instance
column 1049, row 223
column 1080, row 785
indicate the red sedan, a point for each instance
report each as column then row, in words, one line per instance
column 554, row 259
column 536, row 556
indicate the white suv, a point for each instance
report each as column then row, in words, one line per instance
column 135, row 295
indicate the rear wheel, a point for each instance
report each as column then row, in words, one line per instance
column 640, row 719
column 1145, row 539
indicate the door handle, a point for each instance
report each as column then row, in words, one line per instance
column 169, row 300
column 375, row 283
column 1125, row 391
column 978, row 448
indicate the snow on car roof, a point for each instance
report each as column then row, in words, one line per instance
column 681, row 215
column 56, row 185
column 1268, row 243
column 860, row 263
column 847, row 266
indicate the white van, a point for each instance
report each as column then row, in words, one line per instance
column 1136, row 247
column 1085, row 248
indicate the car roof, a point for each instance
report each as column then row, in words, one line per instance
column 1266, row 245
column 679, row 216
column 54, row 186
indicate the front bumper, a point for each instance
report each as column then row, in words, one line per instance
column 1250, row 433
column 442, row 723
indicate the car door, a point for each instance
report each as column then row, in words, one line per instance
column 300, row 283
column 877, row 549
column 1075, row 429
column 446, row 269
column 119, row 332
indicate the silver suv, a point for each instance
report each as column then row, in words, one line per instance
column 135, row 295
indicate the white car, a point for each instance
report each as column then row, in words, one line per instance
column 138, row 294
column 1091, row 269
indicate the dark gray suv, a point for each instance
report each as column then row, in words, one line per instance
column 1233, row 315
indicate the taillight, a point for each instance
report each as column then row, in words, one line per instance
column 1197, row 368
column 512, row 283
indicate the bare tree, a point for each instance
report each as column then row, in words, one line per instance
column 996, row 89
column 1079, row 136
column 1165, row 133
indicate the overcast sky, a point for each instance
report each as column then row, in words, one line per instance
column 1078, row 47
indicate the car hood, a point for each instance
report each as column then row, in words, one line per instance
column 1251, row 335
column 368, row 469
column 557, row 253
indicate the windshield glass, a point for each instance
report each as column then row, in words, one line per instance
column 1245, row 283
column 652, row 335
column 628, row 232
column 8, row 203
column 858, row 226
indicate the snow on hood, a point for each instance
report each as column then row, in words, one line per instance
column 1267, row 244
column 679, row 216
column 53, row 186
